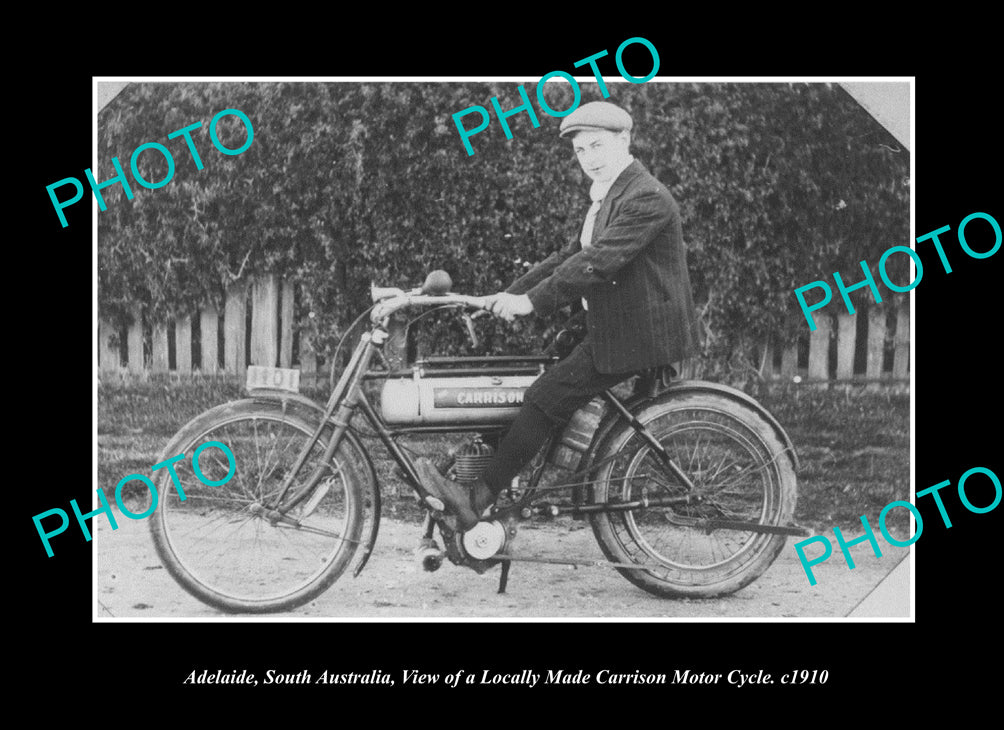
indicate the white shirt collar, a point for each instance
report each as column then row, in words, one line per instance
column 598, row 190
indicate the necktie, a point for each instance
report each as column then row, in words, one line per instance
column 586, row 239
column 597, row 192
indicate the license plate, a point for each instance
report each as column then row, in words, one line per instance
column 260, row 377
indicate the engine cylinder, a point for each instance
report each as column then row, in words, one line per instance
column 471, row 460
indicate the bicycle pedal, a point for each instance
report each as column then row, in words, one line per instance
column 429, row 554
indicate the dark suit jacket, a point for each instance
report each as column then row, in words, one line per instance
column 634, row 277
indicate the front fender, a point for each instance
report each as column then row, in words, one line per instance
column 287, row 400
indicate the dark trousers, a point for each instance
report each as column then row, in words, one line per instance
column 548, row 403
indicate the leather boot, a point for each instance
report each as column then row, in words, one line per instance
column 458, row 499
column 482, row 497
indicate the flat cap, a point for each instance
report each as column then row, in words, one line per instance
column 596, row 115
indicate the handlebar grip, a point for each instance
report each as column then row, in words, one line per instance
column 379, row 293
column 437, row 283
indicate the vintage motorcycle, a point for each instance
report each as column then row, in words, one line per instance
column 689, row 486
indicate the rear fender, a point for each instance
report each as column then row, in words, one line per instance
column 686, row 387
column 681, row 388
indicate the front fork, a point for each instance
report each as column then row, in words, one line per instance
column 340, row 408
column 338, row 411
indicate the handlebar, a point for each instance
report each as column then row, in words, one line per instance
column 404, row 300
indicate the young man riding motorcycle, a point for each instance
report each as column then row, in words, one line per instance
column 629, row 267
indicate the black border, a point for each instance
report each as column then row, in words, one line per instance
column 957, row 387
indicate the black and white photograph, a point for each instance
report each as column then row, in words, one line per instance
column 350, row 439
column 490, row 365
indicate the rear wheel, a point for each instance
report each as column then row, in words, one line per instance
column 226, row 544
column 740, row 471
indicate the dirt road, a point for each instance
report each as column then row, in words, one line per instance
column 132, row 583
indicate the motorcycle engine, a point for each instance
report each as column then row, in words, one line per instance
column 479, row 544
column 471, row 459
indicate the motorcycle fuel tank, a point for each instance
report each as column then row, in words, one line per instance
column 476, row 399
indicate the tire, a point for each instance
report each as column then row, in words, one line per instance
column 218, row 545
column 738, row 466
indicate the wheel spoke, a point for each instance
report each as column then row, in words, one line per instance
column 219, row 542
column 735, row 473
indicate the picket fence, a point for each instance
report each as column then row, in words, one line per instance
column 259, row 325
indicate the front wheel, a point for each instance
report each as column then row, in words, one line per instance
column 740, row 471
column 223, row 544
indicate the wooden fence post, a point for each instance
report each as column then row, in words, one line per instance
column 109, row 359
column 209, row 325
column 819, row 348
column 768, row 361
column 235, row 329
column 183, row 345
column 264, row 320
column 846, row 333
column 160, row 362
column 789, row 361
column 901, row 356
column 134, row 340
column 876, row 342
column 286, row 325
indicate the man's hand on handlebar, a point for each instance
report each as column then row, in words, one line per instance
column 509, row 306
